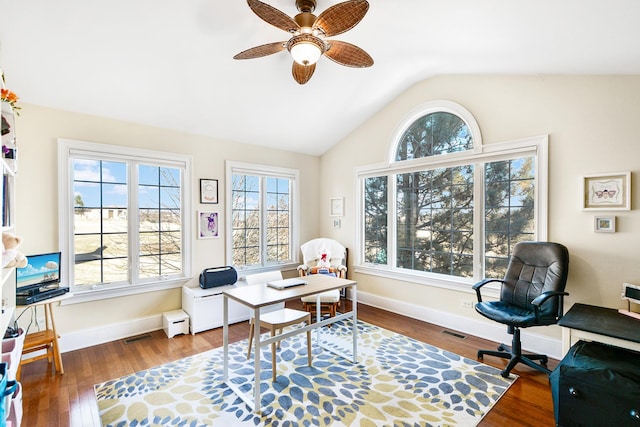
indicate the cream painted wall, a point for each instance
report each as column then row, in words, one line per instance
column 592, row 126
column 592, row 123
column 37, row 198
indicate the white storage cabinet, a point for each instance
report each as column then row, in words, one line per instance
column 175, row 322
column 205, row 310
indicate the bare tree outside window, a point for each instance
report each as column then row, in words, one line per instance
column 433, row 220
column 261, row 220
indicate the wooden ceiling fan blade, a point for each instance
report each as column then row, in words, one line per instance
column 341, row 17
column 273, row 16
column 347, row 54
column 260, row 51
column 302, row 73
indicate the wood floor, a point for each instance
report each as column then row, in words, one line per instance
column 51, row 400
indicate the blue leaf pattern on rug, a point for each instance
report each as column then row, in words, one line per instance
column 397, row 382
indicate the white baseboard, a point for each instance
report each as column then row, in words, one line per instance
column 495, row 332
column 76, row 340
column 531, row 342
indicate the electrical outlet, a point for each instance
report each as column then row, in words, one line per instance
column 466, row 303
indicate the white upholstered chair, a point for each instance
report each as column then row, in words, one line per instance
column 275, row 318
column 323, row 256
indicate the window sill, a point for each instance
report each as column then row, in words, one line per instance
column 290, row 266
column 122, row 291
column 435, row 280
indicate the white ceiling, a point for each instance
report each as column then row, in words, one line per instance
column 168, row 63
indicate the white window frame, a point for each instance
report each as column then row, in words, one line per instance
column 67, row 149
column 481, row 154
column 233, row 167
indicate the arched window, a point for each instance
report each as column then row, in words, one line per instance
column 436, row 128
column 434, row 134
column 445, row 206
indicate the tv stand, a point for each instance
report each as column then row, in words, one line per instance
column 46, row 340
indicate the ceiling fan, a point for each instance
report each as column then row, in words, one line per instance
column 309, row 35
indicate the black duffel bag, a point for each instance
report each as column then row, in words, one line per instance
column 218, row 276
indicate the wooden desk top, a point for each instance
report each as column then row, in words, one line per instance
column 261, row 295
column 603, row 321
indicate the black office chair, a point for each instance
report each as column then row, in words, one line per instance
column 531, row 294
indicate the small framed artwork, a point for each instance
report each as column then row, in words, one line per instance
column 610, row 191
column 208, row 225
column 604, row 224
column 337, row 206
column 209, row 191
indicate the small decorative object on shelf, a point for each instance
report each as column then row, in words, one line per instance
column 9, row 108
column 11, row 98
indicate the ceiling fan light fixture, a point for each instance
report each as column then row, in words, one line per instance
column 306, row 49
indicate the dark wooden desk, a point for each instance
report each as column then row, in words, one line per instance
column 601, row 324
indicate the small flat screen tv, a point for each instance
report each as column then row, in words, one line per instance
column 41, row 270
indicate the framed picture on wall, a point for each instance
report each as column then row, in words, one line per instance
column 611, row 191
column 208, row 225
column 604, row 224
column 337, row 206
column 209, row 191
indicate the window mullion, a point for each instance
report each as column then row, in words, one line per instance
column 392, row 223
column 263, row 221
column 478, row 220
column 133, row 223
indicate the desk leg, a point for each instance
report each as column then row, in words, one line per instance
column 48, row 314
column 354, row 310
column 318, row 319
column 225, row 337
column 256, row 355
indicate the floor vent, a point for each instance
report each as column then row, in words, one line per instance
column 455, row 334
column 138, row 338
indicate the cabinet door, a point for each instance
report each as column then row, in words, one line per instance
column 207, row 313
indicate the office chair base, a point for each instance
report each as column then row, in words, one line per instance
column 515, row 356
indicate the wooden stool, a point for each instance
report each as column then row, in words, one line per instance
column 46, row 340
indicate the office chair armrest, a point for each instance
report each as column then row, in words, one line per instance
column 543, row 297
column 481, row 283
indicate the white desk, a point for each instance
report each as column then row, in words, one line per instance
column 261, row 295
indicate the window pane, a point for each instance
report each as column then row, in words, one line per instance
column 246, row 219
column 435, row 221
column 434, row 134
column 100, row 220
column 277, row 205
column 160, row 222
column 148, row 175
column 509, row 210
column 115, row 172
column 261, row 203
column 115, row 270
column 375, row 220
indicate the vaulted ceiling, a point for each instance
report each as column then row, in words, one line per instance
column 168, row 63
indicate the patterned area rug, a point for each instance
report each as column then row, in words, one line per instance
column 398, row 382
